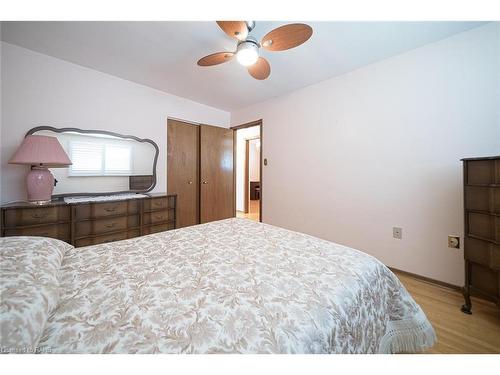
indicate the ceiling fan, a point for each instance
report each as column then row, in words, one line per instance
column 247, row 50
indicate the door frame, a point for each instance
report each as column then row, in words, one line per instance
column 250, row 124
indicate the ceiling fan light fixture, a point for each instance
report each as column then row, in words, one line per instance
column 247, row 53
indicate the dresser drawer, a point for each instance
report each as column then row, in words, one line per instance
column 150, row 229
column 158, row 217
column 107, row 238
column 483, row 172
column 99, row 226
column 158, row 203
column 484, row 226
column 59, row 231
column 98, row 210
column 36, row 215
column 482, row 198
column 89, row 223
column 482, row 252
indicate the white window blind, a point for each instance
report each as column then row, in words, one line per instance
column 117, row 159
column 86, row 158
column 99, row 159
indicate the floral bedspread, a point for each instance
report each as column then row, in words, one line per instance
column 231, row 286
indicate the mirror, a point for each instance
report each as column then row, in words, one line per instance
column 103, row 162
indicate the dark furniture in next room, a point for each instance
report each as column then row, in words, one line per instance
column 254, row 190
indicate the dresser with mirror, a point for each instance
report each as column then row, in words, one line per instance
column 103, row 196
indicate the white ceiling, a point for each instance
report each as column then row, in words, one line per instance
column 163, row 55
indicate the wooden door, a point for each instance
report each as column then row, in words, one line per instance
column 216, row 174
column 183, row 170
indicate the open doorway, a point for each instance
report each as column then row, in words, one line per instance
column 248, row 184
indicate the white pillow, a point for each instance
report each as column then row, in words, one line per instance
column 29, row 287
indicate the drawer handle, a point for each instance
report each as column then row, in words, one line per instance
column 158, row 203
column 110, row 225
column 159, row 217
column 110, row 209
column 39, row 216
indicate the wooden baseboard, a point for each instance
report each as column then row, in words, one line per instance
column 427, row 279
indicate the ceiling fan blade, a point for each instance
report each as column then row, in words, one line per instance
column 260, row 70
column 215, row 58
column 286, row 37
column 235, row 29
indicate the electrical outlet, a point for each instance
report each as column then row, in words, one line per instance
column 397, row 233
column 454, row 242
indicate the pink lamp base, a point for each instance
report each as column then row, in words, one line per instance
column 40, row 185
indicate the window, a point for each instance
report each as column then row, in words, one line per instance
column 117, row 159
column 99, row 159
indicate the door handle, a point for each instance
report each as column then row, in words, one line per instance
column 190, row 182
column 204, row 182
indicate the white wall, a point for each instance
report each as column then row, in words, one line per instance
column 353, row 156
column 254, row 160
column 241, row 136
column 41, row 90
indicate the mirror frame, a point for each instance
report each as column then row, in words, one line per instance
column 105, row 132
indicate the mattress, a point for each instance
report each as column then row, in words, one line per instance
column 231, row 286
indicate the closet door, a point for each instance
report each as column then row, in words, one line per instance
column 216, row 174
column 183, row 170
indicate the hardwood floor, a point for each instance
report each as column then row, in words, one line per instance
column 253, row 211
column 456, row 331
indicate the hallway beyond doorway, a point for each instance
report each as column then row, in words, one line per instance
column 248, row 174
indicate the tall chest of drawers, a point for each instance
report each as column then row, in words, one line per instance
column 90, row 223
column 482, row 229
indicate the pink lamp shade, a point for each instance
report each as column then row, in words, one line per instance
column 41, row 152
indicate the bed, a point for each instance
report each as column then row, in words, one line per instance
column 231, row 286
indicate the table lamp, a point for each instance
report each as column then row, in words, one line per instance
column 41, row 152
